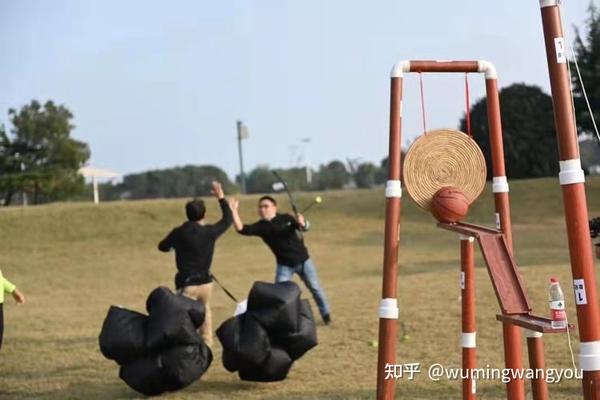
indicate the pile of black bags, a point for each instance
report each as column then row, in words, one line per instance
column 160, row 352
column 276, row 329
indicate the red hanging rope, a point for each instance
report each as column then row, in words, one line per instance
column 468, row 105
column 422, row 103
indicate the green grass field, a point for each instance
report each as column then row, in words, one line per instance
column 74, row 260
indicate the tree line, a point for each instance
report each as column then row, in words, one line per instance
column 190, row 180
column 39, row 159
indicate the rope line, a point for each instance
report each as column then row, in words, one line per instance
column 422, row 103
column 227, row 292
column 468, row 105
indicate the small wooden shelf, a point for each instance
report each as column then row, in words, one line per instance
column 532, row 322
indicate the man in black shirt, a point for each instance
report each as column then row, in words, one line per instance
column 283, row 234
column 194, row 244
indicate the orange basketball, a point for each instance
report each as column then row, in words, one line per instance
column 449, row 205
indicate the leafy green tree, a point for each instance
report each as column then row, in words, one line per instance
column 587, row 52
column 366, row 175
column 40, row 157
column 187, row 181
column 333, row 175
column 9, row 168
column 260, row 180
column 382, row 171
column 530, row 148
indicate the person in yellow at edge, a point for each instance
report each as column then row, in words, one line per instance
column 7, row 287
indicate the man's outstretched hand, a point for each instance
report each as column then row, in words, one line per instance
column 217, row 190
column 18, row 296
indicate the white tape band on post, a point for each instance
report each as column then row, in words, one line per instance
column 388, row 308
column 465, row 237
column 533, row 334
column 548, row 3
column 500, row 184
column 589, row 356
column 488, row 68
column 571, row 172
column 467, row 340
column 393, row 189
column 399, row 69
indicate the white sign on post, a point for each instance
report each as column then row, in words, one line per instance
column 579, row 287
column 559, row 46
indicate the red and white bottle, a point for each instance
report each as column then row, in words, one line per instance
column 557, row 305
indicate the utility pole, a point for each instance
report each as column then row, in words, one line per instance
column 307, row 167
column 242, row 133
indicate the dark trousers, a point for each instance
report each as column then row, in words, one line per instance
column 1, row 323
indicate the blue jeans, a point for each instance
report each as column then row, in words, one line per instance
column 308, row 273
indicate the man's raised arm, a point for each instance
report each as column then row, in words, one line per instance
column 247, row 230
column 237, row 220
column 221, row 226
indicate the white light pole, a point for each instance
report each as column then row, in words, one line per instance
column 242, row 133
column 306, row 142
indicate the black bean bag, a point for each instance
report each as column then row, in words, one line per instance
column 299, row 342
column 244, row 339
column 172, row 369
column 275, row 305
column 228, row 334
column 122, row 337
column 163, row 297
column 169, row 322
column 183, row 365
column 277, row 329
column 274, row 368
column 230, row 360
column 145, row 375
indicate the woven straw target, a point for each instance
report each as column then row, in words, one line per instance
column 443, row 157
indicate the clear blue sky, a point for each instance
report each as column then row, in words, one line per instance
column 156, row 84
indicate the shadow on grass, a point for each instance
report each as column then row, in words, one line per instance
column 231, row 390
column 83, row 390
column 119, row 390
column 405, row 391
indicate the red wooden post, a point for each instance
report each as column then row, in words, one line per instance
column 468, row 342
column 388, row 310
column 535, row 347
column 511, row 333
column 572, row 180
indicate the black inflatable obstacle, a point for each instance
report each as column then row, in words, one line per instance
column 305, row 338
column 168, row 371
column 123, row 335
column 163, row 298
column 161, row 352
column 277, row 329
column 274, row 368
column 275, row 305
column 170, row 321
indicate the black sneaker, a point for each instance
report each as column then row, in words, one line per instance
column 326, row 319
